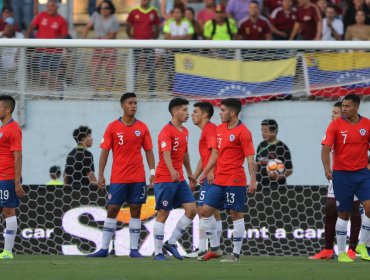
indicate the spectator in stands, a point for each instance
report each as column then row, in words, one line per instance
column 143, row 23
column 178, row 27
column 239, row 9
column 332, row 27
column 272, row 148
column 106, row 26
column 350, row 13
column 24, row 12
column 254, row 27
column 366, row 9
column 168, row 6
column 322, row 4
column 55, row 173
column 358, row 31
column 270, row 5
column 79, row 169
column 308, row 23
column 198, row 31
column 6, row 12
column 207, row 13
column 221, row 27
column 282, row 20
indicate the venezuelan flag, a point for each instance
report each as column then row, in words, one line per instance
column 337, row 74
column 206, row 77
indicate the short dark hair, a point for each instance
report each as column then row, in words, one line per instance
column 81, row 133
column 9, row 8
column 55, row 170
column 338, row 104
column 205, row 107
column 9, row 102
column 233, row 103
column 178, row 101
column 353, row 97
column 127, row 95
column 255, row 2
column 272, row 124
column 191, row 10
column 180, row 6
column 110, row 4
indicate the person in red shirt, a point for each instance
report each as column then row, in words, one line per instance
column 125, row 137
column 308, row 23
column 201, row 116
column 349, row 137
column 282, row 20
column 10, row 171
column 254, row 27
column 170, row 188
column 270, row 5
column 207, row 13
column 234, row 145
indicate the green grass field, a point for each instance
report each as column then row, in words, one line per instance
column 75, row 268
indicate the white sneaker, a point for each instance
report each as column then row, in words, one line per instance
column 230, row 259
column 195, row 254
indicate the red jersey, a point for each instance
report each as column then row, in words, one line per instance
column 283, row 20
column 10, row 141
column 143, row 22
column 50, row 27
column 308, row 19
column 175, row 141
column 233, row 146
column 254, row 30
column 272, row 4
column 207, row 142
column 126, row 143
column 350, row 143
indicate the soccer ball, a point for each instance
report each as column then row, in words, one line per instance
column 275, row 165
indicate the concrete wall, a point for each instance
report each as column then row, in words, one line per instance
column 49, row 127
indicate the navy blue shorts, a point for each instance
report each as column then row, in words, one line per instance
column 132, row 193
column 349, row 183
column 202, row 193
column 8, row 196
column 231, row 198
column 172, row 195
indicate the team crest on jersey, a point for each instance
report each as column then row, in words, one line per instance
column 137, row 133
column 163, row 144
column 232, row 137
column 363, row 132
column 165, row 203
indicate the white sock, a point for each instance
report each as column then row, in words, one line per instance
column 238, row 235
column 10, row 232
column 219, row 229
column 202, row 236
column 108, row 231
column 210, row 226
column 135, row 228
column 341, row 233
column 365, row 230
column 181, row 226
column 158, row 230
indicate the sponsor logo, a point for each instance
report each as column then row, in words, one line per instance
column 163, row 144
column 337, row 203
column 137, row 133
column 110, row 196
column 165, row 203
column 232, row 137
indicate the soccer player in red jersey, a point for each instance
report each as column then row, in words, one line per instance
column 125, row 137
column 170, row 188
column 234, row 144
column 349, row 137
column 202, row 114
column 10, row 171
column 331, row 214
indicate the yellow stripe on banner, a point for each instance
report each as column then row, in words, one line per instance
column 235, row 70
column 339, row 61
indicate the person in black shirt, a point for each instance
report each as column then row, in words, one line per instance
column 272, row 148
column 79, row 169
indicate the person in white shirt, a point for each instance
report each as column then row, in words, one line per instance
column 332, row 27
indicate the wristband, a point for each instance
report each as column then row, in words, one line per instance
column 152, row 172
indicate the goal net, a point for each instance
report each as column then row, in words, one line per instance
column 62, row 84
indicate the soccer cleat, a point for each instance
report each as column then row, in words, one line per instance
column 172, row 248
column 134, row 253
column 323, row 255
column 352, row 254
column 230, row 259
column 102, row 253
column 362, row 250
column 343, row 257
column 6, row 255
column 160, row 257
column 196, row 254
column 212, row 255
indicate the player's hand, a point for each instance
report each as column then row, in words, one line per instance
column 101, row 182
column 19, row 190
column 329, row 174
column 175, row 175
column 210, row 178
column 192, row 182
column 252, row 187
column 151, row 181
column 201, row 178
